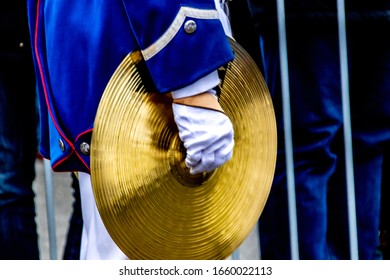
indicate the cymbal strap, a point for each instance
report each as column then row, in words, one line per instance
column 203, row 100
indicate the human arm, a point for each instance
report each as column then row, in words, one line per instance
column 206, row 131
column 183, row 61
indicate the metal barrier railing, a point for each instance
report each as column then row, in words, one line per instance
column 287, row 130
column 284, row 73
column 50, row 212
column 347, row 130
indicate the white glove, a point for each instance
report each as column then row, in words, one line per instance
column 207, row 135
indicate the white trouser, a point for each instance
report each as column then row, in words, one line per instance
column 96, row 243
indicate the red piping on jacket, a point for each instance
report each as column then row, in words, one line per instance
column 46, row 93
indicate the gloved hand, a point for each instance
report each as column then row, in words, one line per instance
column 207, row 135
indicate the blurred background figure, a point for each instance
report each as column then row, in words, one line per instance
column 18, row 143
column 18, row 135
column 317, row 122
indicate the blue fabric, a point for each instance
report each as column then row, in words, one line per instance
column 317, row 127
column 73, row 72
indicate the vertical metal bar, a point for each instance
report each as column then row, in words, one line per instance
column 50, row 210
column 287, row 130
column 347, row 130
column 236, row 254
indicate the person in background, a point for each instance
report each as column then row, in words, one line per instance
column 317, row 123
column 18, row 138
column 18, row 141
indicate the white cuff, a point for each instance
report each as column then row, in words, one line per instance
column 202, row 85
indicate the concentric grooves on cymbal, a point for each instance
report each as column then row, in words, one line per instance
column 148, row 207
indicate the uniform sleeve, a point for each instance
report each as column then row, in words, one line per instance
column 181, row 41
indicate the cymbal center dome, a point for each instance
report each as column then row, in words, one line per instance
column 176, row 156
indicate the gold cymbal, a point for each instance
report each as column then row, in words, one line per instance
column 152, row 207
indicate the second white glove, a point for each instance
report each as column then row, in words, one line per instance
column 207, row 135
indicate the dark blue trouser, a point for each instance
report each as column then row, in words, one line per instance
column 18, row 146
column 317, row 126
column 18, row 143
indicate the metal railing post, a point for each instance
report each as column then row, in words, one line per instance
column 287, row 130
column 347, row 130
column 50, row 209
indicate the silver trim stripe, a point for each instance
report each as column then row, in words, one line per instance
column 184, row 12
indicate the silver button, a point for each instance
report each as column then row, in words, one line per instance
column 84, row 148
column 21, row 44
column 190, row 26
column 61, row 144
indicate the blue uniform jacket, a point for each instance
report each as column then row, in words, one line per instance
column 77, row 46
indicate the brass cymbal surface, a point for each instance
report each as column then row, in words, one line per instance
column 151, row 205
